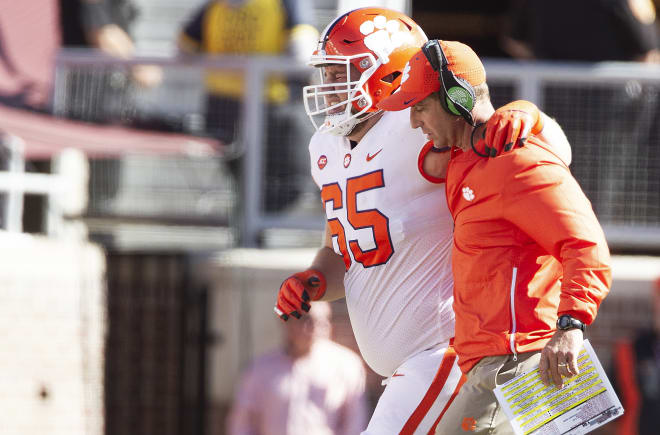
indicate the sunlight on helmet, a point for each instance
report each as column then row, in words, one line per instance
column 371, row 46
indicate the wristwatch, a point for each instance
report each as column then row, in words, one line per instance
column 566, row 322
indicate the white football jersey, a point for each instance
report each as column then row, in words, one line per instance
column 394, row 231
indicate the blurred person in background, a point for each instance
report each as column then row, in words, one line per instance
column 310, row 386
column 104, row 25
column 625, row 114
column 615, row 30
column 29, row 40
column 5, row 156
column 636, row 369
column 264, row 28
column 530, row 261
column 387, row 241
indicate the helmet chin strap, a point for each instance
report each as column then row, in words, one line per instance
column 339, row 124
column 344, row 127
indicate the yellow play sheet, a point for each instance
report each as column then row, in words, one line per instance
column 586, row 401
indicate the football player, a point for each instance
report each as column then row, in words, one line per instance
column 387, row 243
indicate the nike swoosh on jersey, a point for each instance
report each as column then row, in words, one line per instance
column 369, row 156
column 397, row 374
column 405, row 103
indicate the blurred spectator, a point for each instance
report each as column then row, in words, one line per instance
column 5, row 155
column 258, row 27
column 637, row 376
column 104, row 25
column 585, row 30
column 625, row 113
column 29, row 40
column 310, row 386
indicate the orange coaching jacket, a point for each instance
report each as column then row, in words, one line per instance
column 527, row 248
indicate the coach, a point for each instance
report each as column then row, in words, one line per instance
column 530, row 260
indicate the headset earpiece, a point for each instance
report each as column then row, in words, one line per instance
column 459, row 96
column 463, row 95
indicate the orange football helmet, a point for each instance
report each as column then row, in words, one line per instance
column 377, row 42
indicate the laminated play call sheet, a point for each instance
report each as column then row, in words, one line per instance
column 586, row 402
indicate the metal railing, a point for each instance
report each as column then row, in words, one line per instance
column 608, row 112
column 65, row 189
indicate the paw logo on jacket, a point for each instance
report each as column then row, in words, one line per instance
column 468, row 193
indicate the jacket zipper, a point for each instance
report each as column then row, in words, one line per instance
column 513, row 314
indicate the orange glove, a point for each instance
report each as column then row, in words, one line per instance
column 297, row 290
column 512, row 124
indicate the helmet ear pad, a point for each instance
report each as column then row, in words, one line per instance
column 383, row 61
column 387, row 77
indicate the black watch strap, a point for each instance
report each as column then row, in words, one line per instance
column 566, row 322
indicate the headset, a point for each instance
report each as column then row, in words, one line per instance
column 459, row 96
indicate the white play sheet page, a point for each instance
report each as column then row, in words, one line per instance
column 586, row 402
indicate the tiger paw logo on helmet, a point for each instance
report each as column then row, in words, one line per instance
column 383, row 36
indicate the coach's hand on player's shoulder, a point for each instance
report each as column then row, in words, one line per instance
column 511, row 125
column 297, row 291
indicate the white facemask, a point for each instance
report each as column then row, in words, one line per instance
column 339, row 118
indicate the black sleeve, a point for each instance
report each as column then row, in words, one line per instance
column 194, row 28
column 94, row 15
column 638, row 35
column 297, row 12
column 519, row 19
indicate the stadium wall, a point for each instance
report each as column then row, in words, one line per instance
column 52, row 327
